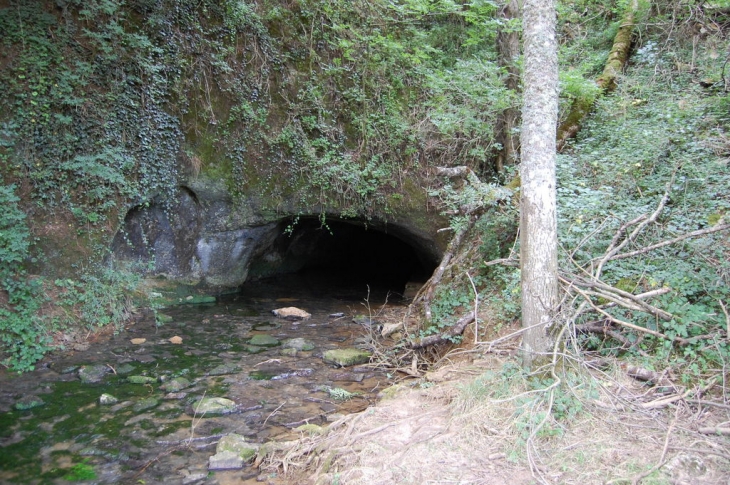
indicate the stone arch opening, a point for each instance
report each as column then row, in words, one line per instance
column 346, row 254
column 203, row 239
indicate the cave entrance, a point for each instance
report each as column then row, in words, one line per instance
column 342, row 258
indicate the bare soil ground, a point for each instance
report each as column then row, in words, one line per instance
column 475, row 419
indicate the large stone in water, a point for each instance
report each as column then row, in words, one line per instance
column 346, row 357
column 213, row 406
column 263, row 341
column 224, row 369
column 291, row 313
column 28, row 402
column 176, row 384
column 237, row 444
column 107, row 399
column 298, row 344
column 141, row 380
column 144, row 404
column 91, row 374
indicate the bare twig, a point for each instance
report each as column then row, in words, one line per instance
column 701, row 232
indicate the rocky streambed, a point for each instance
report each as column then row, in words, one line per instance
column 190, row 400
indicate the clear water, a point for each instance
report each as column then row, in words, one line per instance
column 72, row 437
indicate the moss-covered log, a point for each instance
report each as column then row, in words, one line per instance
column 616, row 62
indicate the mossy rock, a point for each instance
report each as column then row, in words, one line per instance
column 224, row 369
column 176, row 384
column 264, row 341
column 28, row 402
column 141, row 380
column 163, row 318
column 346, row 357
column 237, row 444
column 213, row 406
column 92, row 374
column 144, row 404
column 253, row 349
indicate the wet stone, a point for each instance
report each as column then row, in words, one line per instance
column 253, row 349
column 346, row 357
column 224, row 369
column 107, row 400
column 146, row 403
column 92, row 374
column 289, row 352
column 141, row 380
column 299, row 343
column 28, row 402
column 264, row 341
column 125, row 368
column 176, row 384
column 226, row 460
column 144, row 358
column 237, row 444
column 175, row 396
column 365, row 321
column 213, row 406
column 291, row 313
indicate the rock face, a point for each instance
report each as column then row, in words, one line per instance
column 203, row 235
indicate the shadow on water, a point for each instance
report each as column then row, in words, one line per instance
column 149, row 432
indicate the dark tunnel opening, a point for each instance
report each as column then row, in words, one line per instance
column 342, row 258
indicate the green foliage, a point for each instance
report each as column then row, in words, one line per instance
column 81, row 472
column 641, row 142
column 99, row 298
column 22, row 338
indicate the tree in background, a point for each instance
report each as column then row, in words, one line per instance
column 538, row 222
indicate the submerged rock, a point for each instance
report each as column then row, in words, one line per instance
column 300, row 344
column 176, row 384
column 141, row 380
column 224, row 369
column 264, row 341
column 365, row 321
column 107, row 399
column 213, row 406
column 346, row 357
column 291, row 313
column 253, row 349
column 146, row 403
column 28, row 402
column 91, row 374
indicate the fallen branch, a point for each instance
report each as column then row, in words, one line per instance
column 453, row 331
column 716, row 430
column 701, row 232
column 627, row 324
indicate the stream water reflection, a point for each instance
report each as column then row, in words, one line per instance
column 145, row 436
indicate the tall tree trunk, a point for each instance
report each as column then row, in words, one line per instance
column 538, row 222
column 508, row 51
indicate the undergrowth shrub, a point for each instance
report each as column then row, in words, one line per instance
column 22, row 337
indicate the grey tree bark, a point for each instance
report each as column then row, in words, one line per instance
column 538, row 221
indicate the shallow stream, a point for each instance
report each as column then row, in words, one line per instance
column 53, row 428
